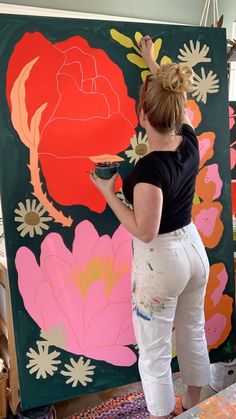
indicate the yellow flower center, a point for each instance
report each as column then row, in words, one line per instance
column 98, row 269
column 32, row 218
column 141, row 149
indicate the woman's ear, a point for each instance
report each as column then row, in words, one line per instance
column 142, row 118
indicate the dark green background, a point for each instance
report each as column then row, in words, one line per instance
column 15, row 186
column 233, row 137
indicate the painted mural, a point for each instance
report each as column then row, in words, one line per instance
column 68, row 97
column 232, row 127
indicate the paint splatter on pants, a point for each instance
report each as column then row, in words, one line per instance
column 169, row 277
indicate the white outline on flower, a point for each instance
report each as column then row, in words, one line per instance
column 42, row 362
column 135, row 142
column 204, row 85
column 35, row 223
column 78, row 372
column 193, row 55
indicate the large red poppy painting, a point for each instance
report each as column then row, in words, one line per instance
column 68, row 95
column 81, row 109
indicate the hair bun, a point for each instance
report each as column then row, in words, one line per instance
column 176, row 77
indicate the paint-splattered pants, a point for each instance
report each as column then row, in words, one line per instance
column 169, row 279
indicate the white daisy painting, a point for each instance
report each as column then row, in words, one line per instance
column 43, row 362
column 31, row 218
column 78, row 372
column 139, row 144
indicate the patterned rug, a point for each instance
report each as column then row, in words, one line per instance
column 127, row 406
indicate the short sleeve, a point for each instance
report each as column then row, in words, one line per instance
column 148, row 170
column 189, row 133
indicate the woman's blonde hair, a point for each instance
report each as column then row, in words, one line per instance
column 163, row 96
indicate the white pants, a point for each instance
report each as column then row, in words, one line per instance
column 169, row 277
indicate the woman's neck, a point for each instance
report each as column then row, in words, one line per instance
column 163, row 142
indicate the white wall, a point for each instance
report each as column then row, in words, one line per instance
column 181, row 11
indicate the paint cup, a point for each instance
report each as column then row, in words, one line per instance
column 223, row 374
column 106, row 170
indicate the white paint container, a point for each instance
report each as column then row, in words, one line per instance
column 223, row 374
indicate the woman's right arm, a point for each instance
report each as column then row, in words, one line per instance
column 147, row 49
column 186, row 119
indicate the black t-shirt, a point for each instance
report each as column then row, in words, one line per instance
column 175, row 173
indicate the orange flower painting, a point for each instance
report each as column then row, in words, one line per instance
column 194, row 113
column 218, row 307
column 206, row 217
column 206, row 211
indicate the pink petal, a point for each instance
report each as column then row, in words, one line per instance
column 55, row 315
column 122, row 245
column 120, row 236
column 127, row 336
column 232, row 158
column 114, row 354
column 53, row 245
column 85, row 238
column 29, row 277
column 222, row 279
column 105, row 327
column 213, row 176
column 204, row 145
column 121, row 290
column 103, row 248
column 71, row 304
column 96, row 300
column 231, row 117
column 214, row 328
column 58, row 272
column 57, row 262
column 205, row 220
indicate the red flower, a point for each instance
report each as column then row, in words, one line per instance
column 88, row 111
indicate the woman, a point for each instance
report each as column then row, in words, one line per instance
column 170, row 265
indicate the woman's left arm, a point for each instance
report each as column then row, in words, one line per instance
column 144, row 221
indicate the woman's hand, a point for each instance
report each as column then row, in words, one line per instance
column 105, row 186
column 146, row 47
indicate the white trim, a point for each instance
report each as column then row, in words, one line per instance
column 40, row 11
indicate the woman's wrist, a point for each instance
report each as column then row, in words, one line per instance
column 153, row 66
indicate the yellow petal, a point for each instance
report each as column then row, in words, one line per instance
column 135, row 59
column 137, row 50
column 138, row 36
column 122, row 39
column 165, row 59
column 144, row 74
column 108, row 158
column 157, row 47
column 196, row 199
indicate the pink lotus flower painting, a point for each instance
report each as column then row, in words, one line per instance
column 81, row 299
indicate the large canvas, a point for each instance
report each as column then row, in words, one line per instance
column 232, row 127
column 69, row 90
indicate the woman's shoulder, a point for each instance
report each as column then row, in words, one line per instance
column 189, row 132
column 149, row 159
column 150, row 164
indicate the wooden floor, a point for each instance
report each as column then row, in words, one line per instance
column 69, row 407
